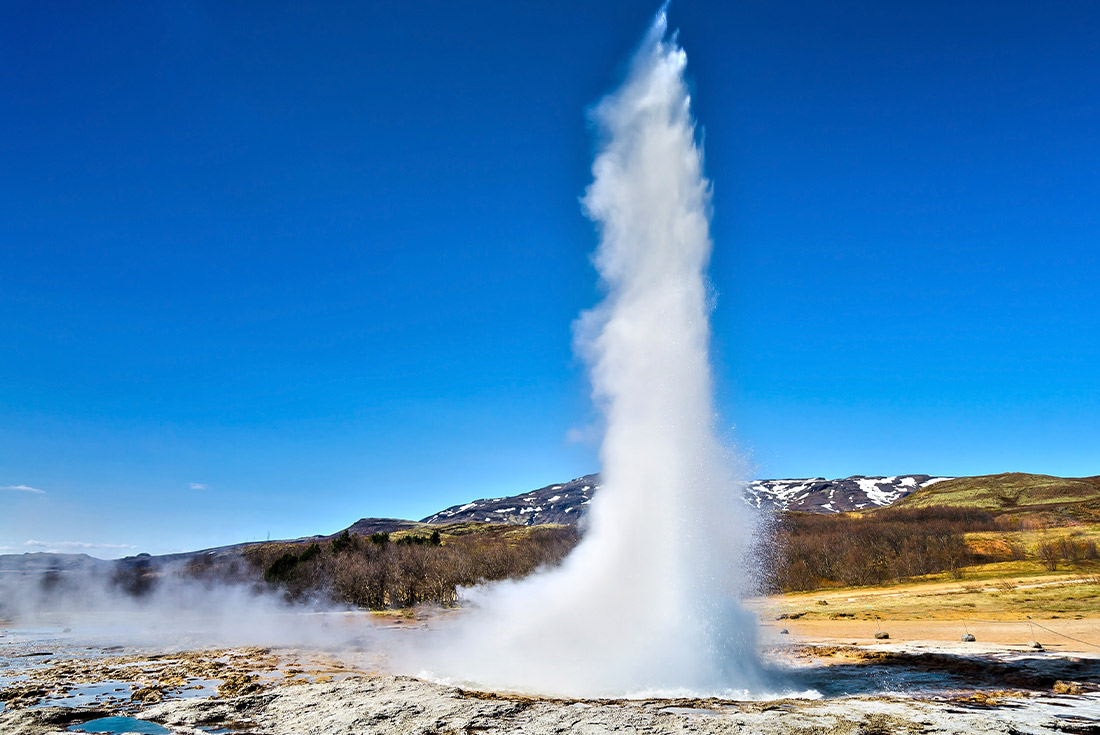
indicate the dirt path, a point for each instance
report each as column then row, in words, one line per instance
column 946, row 633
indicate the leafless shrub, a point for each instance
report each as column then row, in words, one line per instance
column 1068, row 548
column 1049, row 554
column 1016, row 551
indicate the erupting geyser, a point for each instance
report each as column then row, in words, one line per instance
column 648, row 601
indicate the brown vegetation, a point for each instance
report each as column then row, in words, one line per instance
column 1067, row 550
column 891, row 544
column 901, row 543
column 381, row 571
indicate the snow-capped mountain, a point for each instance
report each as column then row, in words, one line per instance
column 565, row 503
column 818, row 495
column 551, row 504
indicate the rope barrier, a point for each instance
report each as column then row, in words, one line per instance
column 1040, row 625
column 1029, row 621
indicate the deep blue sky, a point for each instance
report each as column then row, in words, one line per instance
column 322, row 259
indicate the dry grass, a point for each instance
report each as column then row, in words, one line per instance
column 1040, row 595
column 1006, row 491
column 981, row 541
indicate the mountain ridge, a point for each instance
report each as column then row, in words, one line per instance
column 565, row 502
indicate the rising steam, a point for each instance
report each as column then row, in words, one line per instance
column 648, row 601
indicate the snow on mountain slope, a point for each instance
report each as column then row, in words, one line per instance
column 551, row 504
column 566, row 502
column 818, row 495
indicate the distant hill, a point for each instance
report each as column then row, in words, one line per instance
column 369, row 526
column 563, row 503
column 1006, row 491
column 39, row 562
column 818, row 495
column 566, row 502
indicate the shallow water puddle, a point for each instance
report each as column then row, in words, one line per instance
column 84, row 694
column 118, row 725
column 690, row 711
column 196, row 688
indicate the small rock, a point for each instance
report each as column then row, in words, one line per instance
column 882, row 636
column 22, row 695
column 149, row 695
column 235, row 685
column 1036, row 645
column 67, row 630
column 822, row 602
column 969, row 638
column 784, row 632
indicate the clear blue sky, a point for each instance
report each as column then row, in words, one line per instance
column 266, row 268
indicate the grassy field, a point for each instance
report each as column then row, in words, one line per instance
column 1005, row 491
column 1047, row 595
column 1010, row 603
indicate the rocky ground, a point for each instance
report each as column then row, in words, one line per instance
column 288, row 691
column 379, row 703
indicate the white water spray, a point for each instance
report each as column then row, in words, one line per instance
column 647, row 603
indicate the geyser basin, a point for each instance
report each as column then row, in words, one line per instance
column 648, row 601
column 866, row 688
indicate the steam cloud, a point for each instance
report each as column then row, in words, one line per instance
column 648, row 601
column 171, row 609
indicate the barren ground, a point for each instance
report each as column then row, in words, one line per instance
column 923, row 678
column 934, row 687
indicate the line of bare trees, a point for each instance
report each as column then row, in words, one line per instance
column 891, row 544
column 1066, row 549
column 378, row 573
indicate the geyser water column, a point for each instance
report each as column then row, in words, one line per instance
column 648, row 601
